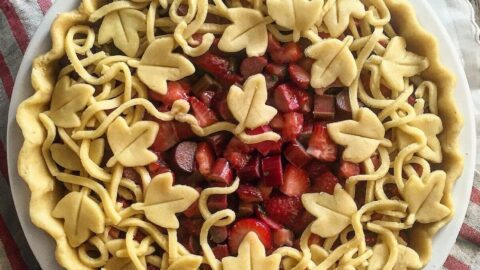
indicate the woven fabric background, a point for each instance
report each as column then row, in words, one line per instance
column 20, row 18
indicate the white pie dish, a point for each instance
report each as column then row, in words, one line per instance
column 43, row 246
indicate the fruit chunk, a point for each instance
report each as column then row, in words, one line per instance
column 347, row 169
column 218, row 141
column 277, row 122
column 175, row 90
column 220, row 251
column 316, row 168
column 242, row 227
column 261, row 215
column 282, row 237
column 218, row 67
column 276, row 70
column 252, row 65
column 205, row 158
column 249, row 194
column 324, row 107
column 343, row 104
column 295, row 181
column 204, row 115
column 305, row 101
column 302, row 221
column 166, row 136
column 299, row 76
column 221, row 172
column 289, row 53
column 218, row 234
column 205, row 83
column 283, row 209
column 245, row 209
column 320, row 145
column 237, row 153
column 156, row 168
column 266, row 147
column 251, row 170
column 285, row 98
column 272, row 171
column 293, row 125
column 221, row 106
column 217, row 202
column 325, row 183
column 296, row 154
column 184, row 156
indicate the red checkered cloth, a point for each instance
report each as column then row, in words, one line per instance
column 18, row 21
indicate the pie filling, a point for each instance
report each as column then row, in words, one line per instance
column 226, row 134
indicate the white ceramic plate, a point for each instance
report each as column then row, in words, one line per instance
column 43, row 246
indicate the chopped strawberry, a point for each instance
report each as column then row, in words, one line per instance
column 114, row 233
column 249, row 194
column 192, row 226
column 412, row 99
column 237, row 153
column 307, row 131
column 175, row 90
column 245, row 209
column 299, row 76
column 205, row 83
column 193, row 211
column 190, row 242
column 204, row 115
column 218, row 67
column 289, row 53
column 285, row 98
column 220, row 251
column 221, row 172
column 261, row 215
column 293, row 125
column 277, row 122
column 272, row 171
column 139, row 236
column 306, row 63
column 206, row 97
column 242, row 227
column 218, row 234
column 183, row 130
column 391, row 190
column 166, row 136
column 418, row 168
column 316, row 168
column 250, row 171
column 370, row 238
column 252, row 65
column 302, row 221
column 157, row 167
column 266, row 147
column 283, row 209
column 273, row 44
column 305, row 101
column 217, row 202
column 282, row 237
column 124, row 202
column 296, row 154
column 276, row 70
column 205, row 158
column 347, row 169
column 221, row 106
column 295, row 181
column 219, row 141
column 320, row 145
column 131, row 174
column 271, row 82
column 325, row 183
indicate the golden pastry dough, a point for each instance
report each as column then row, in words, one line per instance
column 407, row 258
column 338, row 16
column 68, row 159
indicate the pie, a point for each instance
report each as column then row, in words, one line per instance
column 241, row 134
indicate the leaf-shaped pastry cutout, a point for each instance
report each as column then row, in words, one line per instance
column 248, row 105
column 159, row 65
column 186, row 262
column 163, row 201
column 65, row 157
column 123, row 26
column 116, row 263
column 431, row 125
column 82, row 215
column 333, row 60
column 130, row 144
column 407, row 258
column 67, row 100
column 248, row 31
column 424, row 197
column 360, row 137
column 338, row 16
column 333, row 212
column 297, row 15
column 398, row 63
column 251, row 256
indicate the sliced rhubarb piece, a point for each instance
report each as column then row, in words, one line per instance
column 283, row 209
column 271, row 82
column 218, row 234
column 252, row 65
column 307, row 130
column 289, row 53
column 296, row 154
column 324, row 107
column 242, row 227
column 237, row 153
column 218, row 67
column 114, row 233
column 272, row 171
column 305, row 101
column 299, row 76
column 221, row 106
column 306, row 63
column 348, row 169
column 175, row 90
column 221, row 251
column 250, row 171
column 342, row 99
column 157, row 167
column 302, row 221
column 205, row 158
column 203, row 114
column 221, row 172
column 320, row 145
column 295, row 181
column 193, row 211
column 219, row 141
column 192, row 226
column 276, row 70
column 206, row 97
column 191, row 243
column 285, row 98
column 325, row 183
column 131, row 174
column 261, row 215
column 184, row 156
column 217, row 202
column 282, row 237
column 183, row 131
column 293, row 125
column 249, row 194
column 265, row 190
column 245, row 209
column 266, row 147
column 205, row 83
column 277, row 122
column 166, row 136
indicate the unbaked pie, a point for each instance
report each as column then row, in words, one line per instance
column 240, row 134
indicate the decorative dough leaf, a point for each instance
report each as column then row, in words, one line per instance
column 360, row 137
column 333, row 60
column 423, row 197
column 338, row 16
column 65, row 157
column 81, row 214
column 186, row 262
column 248, row 31
column 297, row 15
column 431, row 125
column 397, row 63
column 251, row 256
column 248, row 106
column 333, row 212
column 67, row 100
column 407, row 258
column 123, row 26
column 159, row 64
column 162, row 201
column 129, row 144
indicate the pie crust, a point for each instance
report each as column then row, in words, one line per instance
column 45, row 110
